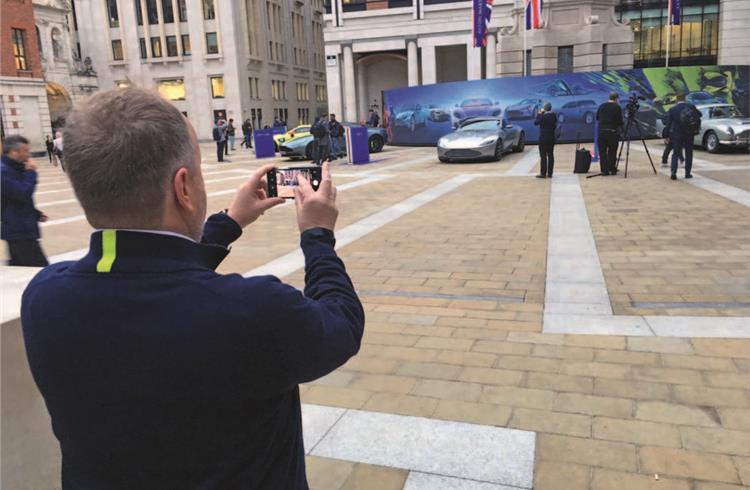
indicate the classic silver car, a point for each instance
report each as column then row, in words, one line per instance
column 480, row 138
column 722, row 125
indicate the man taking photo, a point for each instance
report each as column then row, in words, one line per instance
column 609, row 116
column 158, row 372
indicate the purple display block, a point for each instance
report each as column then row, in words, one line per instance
column 279, row 130
column 357, row 148
column 264, row 147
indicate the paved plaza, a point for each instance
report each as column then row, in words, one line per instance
column 556, row 334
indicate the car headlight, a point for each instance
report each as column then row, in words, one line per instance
column 441, row 142
column 488, row 141
column 730, row 131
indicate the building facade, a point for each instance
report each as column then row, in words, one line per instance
column 374, row 45
column 23, row 97
column 247, row 59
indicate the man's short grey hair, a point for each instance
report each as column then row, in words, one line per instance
column 122, row 150
column 547, row 106
column 14, row 142
column 614, row 96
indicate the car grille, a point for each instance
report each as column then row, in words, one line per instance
column 462, row 153
column 745, row 135
column 285, row 149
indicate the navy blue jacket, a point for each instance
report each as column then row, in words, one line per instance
column 163, row 374
column 20, row 219
column 674, row 127
column 547, row 123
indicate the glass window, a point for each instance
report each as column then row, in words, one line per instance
column 171, row 45
column 114, row 18
column 152, row 11
column 166, row 11
column 565, row 59
column 182, row 7
column 19, row 49
column 208, row 10
column 117, row 50
column 122, row 83
column 217, row 87
column 528, row 62
column 212, row 43
column 142, row 45
column 138, row 13
column 186, row 45
column 173, row 89
column 156, row 47
column 604, row 57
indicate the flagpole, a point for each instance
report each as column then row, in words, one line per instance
column 669, row 35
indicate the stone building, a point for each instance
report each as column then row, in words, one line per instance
column 254, row 59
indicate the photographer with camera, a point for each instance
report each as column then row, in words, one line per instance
column 683, row 123
column 157, row 371
column 547, row 122
column 610, row 120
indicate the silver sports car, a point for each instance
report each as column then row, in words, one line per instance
column 480, row 138
column 722, row 125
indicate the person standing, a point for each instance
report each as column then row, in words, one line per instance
column 219, row 137
column 247, row 133
column 50, row 147
column 336, row 131
column 610, row 120
column 230, row 134
column 683, row 123
column 157, row 371
column 57, row 149
column 374, row 119
column 547, row 122
column 20, row 218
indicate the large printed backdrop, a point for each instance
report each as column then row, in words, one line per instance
column 421, row 115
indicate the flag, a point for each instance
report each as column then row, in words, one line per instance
column 675, row 11
column 534, row 14
column 481, row 10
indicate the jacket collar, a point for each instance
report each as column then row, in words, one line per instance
column 12, row 163
column 120, row 251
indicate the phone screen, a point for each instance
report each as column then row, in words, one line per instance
column 282, row 181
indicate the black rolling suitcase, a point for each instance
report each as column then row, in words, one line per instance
column 583, row 160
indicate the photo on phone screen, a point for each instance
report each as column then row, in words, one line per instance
column 282, row 181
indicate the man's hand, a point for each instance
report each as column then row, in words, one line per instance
column 30, row 165
column 251, row 200
column 42, row 217
column 316, row 209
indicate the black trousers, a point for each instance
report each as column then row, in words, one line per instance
column 26, row 253
column 547, row 154
column 608, row 142
column 226, row 145
column 321, row 155
column 679, row 147
column 220, row 151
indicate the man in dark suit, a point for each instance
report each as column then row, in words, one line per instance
column 610, row 120
column 547, row 122
column 683, row 123
column 20, row 218
column 158, row 372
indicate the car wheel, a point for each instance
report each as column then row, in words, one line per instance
column 309, row 151
column 412, row 124
column 711, row 142
column 521, row 143
column 560, row 118
column 499, row 150
column 589, row 118
column 443, row 159
column 375, row 143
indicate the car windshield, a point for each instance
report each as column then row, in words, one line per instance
column 475, row 102
column 701, row 96
column 528, row 101
column 724, row 111
column 480, row 125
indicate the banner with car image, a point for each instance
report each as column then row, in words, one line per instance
column 421, row 115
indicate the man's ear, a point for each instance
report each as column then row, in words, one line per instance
column 182, row 192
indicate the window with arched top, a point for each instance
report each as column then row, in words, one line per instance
column 57, row 43
column 39, row 42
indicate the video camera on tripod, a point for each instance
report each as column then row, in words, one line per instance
column 631, row 111
column 632, row 107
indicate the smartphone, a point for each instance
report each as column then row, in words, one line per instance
column 282, row 181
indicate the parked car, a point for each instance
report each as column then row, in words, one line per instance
column 578, row 111
column 292, row 133
column 438, row 114
column 703, row 98
column 411, row 117
column 525, row 109
column 481, row 138
column 303, row 147
column 477, row 107
column 722, row 125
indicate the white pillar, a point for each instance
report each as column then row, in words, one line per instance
column 473, row 62
column 333, row 88
column 362, row 98
column 429, row 67
column 350, row 96
column 491, row 55
column 413, row 62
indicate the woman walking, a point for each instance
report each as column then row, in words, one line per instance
column 547, row 122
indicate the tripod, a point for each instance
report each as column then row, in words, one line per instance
column 626, row 143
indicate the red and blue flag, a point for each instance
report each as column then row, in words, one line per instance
column 534, row 14
column 482, row 10
column 675, row 8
